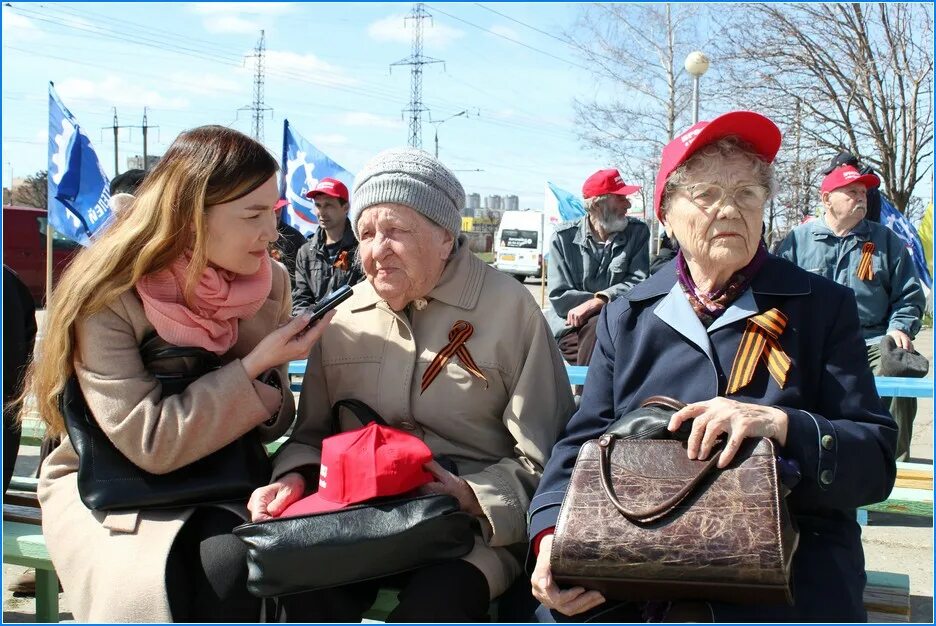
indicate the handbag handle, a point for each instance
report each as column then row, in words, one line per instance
column 664, row 401
column 606, row 443
column 361, row 411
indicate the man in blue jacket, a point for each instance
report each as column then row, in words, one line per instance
column 869, row 258
column 592, row 261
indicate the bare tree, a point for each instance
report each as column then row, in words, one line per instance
column 642, row 92
column 33, row 191
column 861, row 75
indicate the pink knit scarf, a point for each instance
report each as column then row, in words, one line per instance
column 220, row 299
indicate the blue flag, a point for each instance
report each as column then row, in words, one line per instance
column 559, row 206
column 303, row 166
column 78, row 188
column 893, row 219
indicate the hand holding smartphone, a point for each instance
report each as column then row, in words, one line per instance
column 328, row 303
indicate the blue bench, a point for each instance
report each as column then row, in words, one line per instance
column 887, row 386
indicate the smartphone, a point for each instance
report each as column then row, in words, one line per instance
column 328, row 303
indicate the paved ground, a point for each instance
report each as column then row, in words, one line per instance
column 891, row 543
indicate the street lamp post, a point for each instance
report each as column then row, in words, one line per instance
column 696, row 64
column 436, row 123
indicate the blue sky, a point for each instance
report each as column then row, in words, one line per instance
column 328, row 72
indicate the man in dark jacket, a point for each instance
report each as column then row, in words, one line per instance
column 329, row 259
column 287, row 245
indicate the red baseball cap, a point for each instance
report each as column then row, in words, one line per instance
column 753, row 128
column 371, row 462
column 280, row 204
column 607, row 181
column 846, row 175
column 330, row 187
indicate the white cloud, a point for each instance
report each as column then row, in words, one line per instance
column 117, row 91
column 505, row 31
column 394, row 28
column 251, row 8
column 208, row 84
column 238, row 17
column 15, row 24
column 369, row 120
column 333, row 139
column 306, row 67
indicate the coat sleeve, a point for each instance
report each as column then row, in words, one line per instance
column 787, row 248
column 563, row 296
column 540, row 402
column 276, row 426
column 638, row 261
column 302, row 295
column 906, row 295
column 595, row 414
column 159, row 434
column 845, row 448
column 313, row 422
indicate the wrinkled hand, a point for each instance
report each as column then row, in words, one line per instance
column 448, row 483
column 287, row 343
column 567, row 601
column 270, row 501
column 902, row 339
column 583, row 312
column 736, row 419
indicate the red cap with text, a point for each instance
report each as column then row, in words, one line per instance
column 846, row 175
column 752, row 128
column 605, row 182
column 371, row 462
column 330, row 187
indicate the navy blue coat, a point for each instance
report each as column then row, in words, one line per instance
column 651, row 343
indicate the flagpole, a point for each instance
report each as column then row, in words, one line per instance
column 48, row 248
column 543, row 283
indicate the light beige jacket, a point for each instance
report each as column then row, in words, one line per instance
column 500, row 435
column 113, row 566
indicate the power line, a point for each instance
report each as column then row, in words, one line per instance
column 416, row 61
column 510, row 39
column 515, row 20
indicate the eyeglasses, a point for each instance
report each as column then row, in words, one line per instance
column 709, row 196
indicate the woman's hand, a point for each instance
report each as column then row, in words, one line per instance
column 287, row 343
column 736, row 419
column 270, row 501
column 568, row 601
column 448, row 483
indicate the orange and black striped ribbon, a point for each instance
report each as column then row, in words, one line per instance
column 460, row 333
column 760, row 341
column 865, row 269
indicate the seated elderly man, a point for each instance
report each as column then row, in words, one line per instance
column 594, row 260
column 450, row 350
column 869, row 258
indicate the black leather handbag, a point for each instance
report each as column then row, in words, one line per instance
column 372, row 540
column 108, row 481
column 294, row 554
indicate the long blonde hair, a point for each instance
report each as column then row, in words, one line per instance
column 204, row 166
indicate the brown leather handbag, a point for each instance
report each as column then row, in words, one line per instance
column 640, row 521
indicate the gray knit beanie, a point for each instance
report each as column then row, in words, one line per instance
column 412, row 178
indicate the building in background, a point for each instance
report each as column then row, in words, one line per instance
column 135, row 162
column 511, row 203
column 474, row 202
column 494, row 203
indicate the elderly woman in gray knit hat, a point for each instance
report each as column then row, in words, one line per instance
column 495, row 407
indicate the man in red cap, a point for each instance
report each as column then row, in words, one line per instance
column 593, row 260
column 844, row 246
column 328, row 260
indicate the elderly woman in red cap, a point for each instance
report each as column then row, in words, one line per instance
column 678, row 334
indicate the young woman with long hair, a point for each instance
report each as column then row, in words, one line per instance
column 189, row 260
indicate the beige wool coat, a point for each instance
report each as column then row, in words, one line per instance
column 112, row 565
column 499, row 435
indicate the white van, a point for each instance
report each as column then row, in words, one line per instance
column 519, row 244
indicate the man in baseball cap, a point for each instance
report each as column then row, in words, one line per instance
column 327, row 260
column 844, row 246
column 593, row 260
